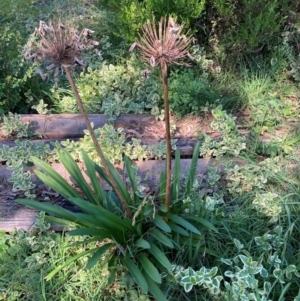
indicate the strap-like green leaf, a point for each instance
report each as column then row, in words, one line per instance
column 61, row 187
column 176, row 176
column 131, row 174
column 178, row 229
column 204, row 222
column 76, row 174
column 97, row 255
column 154, row 289
column 149, row 268
column 54, row 210
column 135, row 273
column 59, row 221
column 142, row 243
column 100, row 195
column 183, row 223
column 119, row 182
column 100, row 233
column 192, row 170
column 160, row 223
column 66, row 190
column 161, row 237
column 162, row 186
column 104, row 216
column 96, row 222
column 160, row 256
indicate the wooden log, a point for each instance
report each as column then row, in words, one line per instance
column 63, row 126
column 15, row 216
column 72, row 125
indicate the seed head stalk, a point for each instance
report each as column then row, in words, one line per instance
column 59, row 47
column 95, row 141
column 163, row 46
column 164, row 70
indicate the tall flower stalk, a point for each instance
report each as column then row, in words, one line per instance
column 162, row 46
column 60, row 48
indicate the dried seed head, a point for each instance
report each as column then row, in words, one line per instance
column 164, row 44
column 58, row 45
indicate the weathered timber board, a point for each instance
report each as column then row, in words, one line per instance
column 72, row 125
column 13, row 215
column 144, row 127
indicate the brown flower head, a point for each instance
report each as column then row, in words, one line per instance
column 57, row 46
column 165, row 45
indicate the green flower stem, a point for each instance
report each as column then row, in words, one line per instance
column 96, row 144
column 164, row 70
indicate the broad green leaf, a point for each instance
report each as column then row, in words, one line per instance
column 246, row 260
column 98, row 254
column 161, row 237
column 149, row 268
column 226, row 261
column 238, row 244
column 135, row 273
column 264, row 273
column 160, row 256
column 229, row 274
column 160, row 223
column 154, row 289
column 183, row 223
column 188, row 287
column 68, row 262
column 142, row 243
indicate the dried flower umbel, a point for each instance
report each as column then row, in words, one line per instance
column 59, row 48
column 163, row 46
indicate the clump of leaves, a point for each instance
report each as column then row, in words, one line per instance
column 20, row 155
column 13, row 125
column 231, row 141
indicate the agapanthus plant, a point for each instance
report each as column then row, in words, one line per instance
column 162, row 46
column 59, row 48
